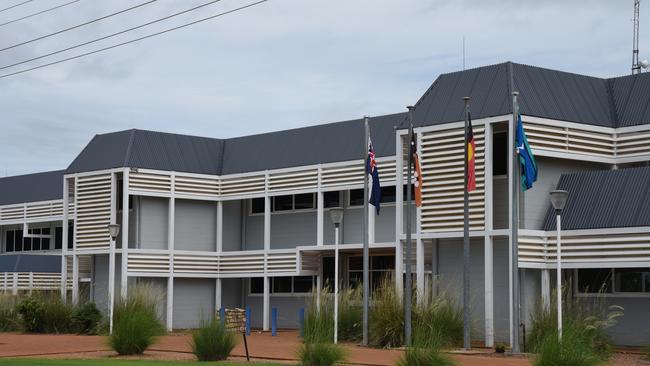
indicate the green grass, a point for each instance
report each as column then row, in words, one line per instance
column 114, row 362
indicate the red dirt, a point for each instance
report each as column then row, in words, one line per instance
column 176, row 347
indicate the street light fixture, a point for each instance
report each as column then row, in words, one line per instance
column 558, row 200
column 113, row 231
column 336, row 215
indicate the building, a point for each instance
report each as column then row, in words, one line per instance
column 244, row 221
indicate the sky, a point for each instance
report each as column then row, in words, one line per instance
column 278, row 65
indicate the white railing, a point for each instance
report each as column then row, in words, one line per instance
column 31, row 212
column 30, row 281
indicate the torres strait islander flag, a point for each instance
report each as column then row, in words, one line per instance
column 371, row 169
column 471, row 156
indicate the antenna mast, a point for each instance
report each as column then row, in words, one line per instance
column 636, row 66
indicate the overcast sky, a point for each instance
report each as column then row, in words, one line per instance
column 278, row 65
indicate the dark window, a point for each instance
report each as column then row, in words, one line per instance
column 10, row 241
column 593, row 280
column 18, row 241
column 380, row 262
column 70, row 235
column 281, row 285
column 355, row 279
column 27, row 244
column 356, row 197
column 302, row 284
column 45, row 231
column 58, row 237
column 328, row 272
column 405, row 191
column 304, row 201
column 257, row 285
column 500, row 154
column 257, row 205
column 388, row 194
column 45, row 243
column 118, row 197
column 331, row 199
column 283, row 203
column 629, row 280
column 356, row 263
column 36, row 243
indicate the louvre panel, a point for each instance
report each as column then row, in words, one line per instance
column 243, row 185
column 348, row 174
column 46, row 210
column 12, row 213
column 241, row 263
column 199, row 263
column 442, row 162
column 633, row 143
column 141, row 261
column 93, row 195
column 570, row 140
column 26, row 281
column 282, row 262
column 309, row 263
column 306, row 179
column 198, row 186
column 150, row 182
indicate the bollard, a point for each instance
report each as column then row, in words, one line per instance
column 222, row 316
column 248, row 320
column 301, row 320
column 274, row 322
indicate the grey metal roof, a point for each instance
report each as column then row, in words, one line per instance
column 331, row 142
column 30, row 263
column 31, row 187
column 615, row 102
column 604, row 199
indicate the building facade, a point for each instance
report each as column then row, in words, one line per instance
column 244, row 221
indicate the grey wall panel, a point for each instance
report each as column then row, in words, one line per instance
column 255, row 232
column 195, row 227
column 100, row 280
column 501, row 290
column 132, row 228
column 633, row 329
column 232, row 225
column 352, row 222
column 531, row 289
column 535, row 201
column 153, row 222
column 289, row 230
column 231, row 292
column 160, row 289
column 385, row 224
column 193, row 301
column 500, row 203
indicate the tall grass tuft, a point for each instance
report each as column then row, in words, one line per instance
column 586, row 318
column 437, row 322
column 9, row 317
column 45, row 313
column 386, row 316
column 212, row 342
column 424, row 356
column 350, row 314
column 574, row 349
column 318, row 348
column 135, row 320
column 320, row 354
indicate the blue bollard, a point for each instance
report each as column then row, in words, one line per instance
column 248, row 320
column 222, row 315
column 301, row 320
column 274, row 322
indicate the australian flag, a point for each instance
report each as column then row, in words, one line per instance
column 371, row 169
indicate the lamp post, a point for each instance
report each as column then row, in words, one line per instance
column 113, row 231
column 558, row 200
column 336, row 214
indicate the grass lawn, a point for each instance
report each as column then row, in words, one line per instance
column 115, row 362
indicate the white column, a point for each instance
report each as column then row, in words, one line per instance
column 218, row 288
column 546, row 289
column 75, row 278
column 64, row 242
column 489, row 290
column 171, row 222
column 399, row 210
column 267, row 247
column 125, row 233
column 320, row 217
column 434, row 268
column 111, row 261
column 419, row 252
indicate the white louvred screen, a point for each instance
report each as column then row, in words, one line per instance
column 442, row 161
column 243, row 185
column 94, row 197
column 304, row 179
column 150, row 182
column 569, row 140
column 197, row 186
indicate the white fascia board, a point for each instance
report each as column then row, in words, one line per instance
column 567, row 124
column 92, row 173
column 576, row 156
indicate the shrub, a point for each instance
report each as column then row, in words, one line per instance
column 500, row 348
column 86, row 318
column 424, row 356
column 212, row 342
column 135, row 321
column 9, row 317
column 437, row 321
column 57, row 315
column 350, row 314
column 386, row 316
column 31, row 311
column 320, row 354
column 586, row 318
column 574, row 349
column 319, row 318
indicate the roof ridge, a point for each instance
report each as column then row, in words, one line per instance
column 611, row 103
column 127, row 155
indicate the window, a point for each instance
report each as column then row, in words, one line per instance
column 58, row 238
column 304, row 201
column 9, row 241
column 257, row 205
column 331, row 199
column 283, row 285
column 617, row 280
column 404, row 192
column 282, row 203
column 118, row 197
column 388, row 194
column 381, row 267
column 500, row 154
column 356, row 197
column 257, row 285
column 303, row 284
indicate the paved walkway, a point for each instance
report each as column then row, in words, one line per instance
column 176, row 346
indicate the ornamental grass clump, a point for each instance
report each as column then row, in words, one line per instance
column 587, row 318
column 9, row 317
column 350, row 314
column 46, row 313
column 135, row 321
column 573, row 349
column 212, row 341
column 318, row 348
column 424, row 356
column 386, row 316
column 437, row 320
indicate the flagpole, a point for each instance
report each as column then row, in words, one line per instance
column 466, row 248
column 408, row 295
column 366, row 277
column 515, row 229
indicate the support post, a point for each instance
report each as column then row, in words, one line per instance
column 336, row 283
column 125, row 233
column 218, row 285
column 64, row 241
column 267, row 247
column 320, row 215
column 408, row 296
column 546, row 289
column 364, row 228
column 267, row 303
column 111, row 262
column 170, row 304
column 559, row 277
column 466, row 240
column 171, row 222
column 514, row 226
column 489, row 290
column 434, row 268
column 399, row 211
column 75, row 279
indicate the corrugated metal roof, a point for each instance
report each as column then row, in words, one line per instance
column 604, row 199
column 31, row 187
column 30, row 263
column 630, row 99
